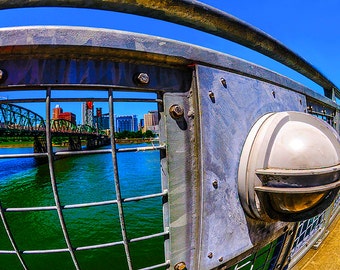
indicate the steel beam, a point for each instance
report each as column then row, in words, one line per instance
column 202, row 17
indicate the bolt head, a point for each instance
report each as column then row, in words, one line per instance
column 143, row 78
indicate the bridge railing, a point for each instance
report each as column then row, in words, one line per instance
column 53, row 155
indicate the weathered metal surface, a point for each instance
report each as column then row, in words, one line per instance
column 184, row 180
column 202, row 17
column 64, row 46
column 225, row 123
column 221, row 100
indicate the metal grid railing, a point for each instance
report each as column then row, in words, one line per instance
column 265, row 258
column 306, row 230
column 335, row 209
column 311, row 232
column 61, row 209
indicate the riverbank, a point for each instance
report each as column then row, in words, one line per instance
column 16, row 144
column 23, row 144
column 136, row 140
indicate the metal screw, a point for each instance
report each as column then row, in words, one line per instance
column 220, row 259
column 215, row 184
column 224, row 82
column 143, row 78
column 210, row 255
column 180, row 266
column 176, row 111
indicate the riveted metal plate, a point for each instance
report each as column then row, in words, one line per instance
column 226, row 120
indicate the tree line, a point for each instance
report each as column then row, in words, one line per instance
column 137, row 134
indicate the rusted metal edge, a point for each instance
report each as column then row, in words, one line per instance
column 202, row 17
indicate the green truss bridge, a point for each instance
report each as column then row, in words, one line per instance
column 17, row 121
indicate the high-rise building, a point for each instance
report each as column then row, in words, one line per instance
column 126, row 123
column 101, row 120
column 87, row 113
column 141, row 124
column 151, row 121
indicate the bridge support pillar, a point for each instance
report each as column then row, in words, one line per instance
column 91, row 143
column 74, row 144
column 40, row 145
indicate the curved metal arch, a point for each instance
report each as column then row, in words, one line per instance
column 202, row 17
column 63, row 125
column 86, row 129
column 17, row 116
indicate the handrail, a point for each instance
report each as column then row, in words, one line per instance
column 202, row 17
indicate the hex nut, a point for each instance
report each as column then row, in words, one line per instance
column 176, row 111
column 180, row 266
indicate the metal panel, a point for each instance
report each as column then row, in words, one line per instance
column 229, row 105
column 77, row 43
column 202, row 17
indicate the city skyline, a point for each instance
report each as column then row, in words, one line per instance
column 95, row 117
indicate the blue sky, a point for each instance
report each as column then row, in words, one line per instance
column 310, row 28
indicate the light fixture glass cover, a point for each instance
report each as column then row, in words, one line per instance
column 289, row 168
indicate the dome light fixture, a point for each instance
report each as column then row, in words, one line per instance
column 289, row 168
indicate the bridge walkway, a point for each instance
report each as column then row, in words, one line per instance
column 327, row 256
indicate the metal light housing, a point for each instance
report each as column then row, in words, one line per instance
column 289, row 167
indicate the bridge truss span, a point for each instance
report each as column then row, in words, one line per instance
column 15, row 119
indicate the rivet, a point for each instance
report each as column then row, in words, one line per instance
column 274, row 94
column 212, row 96
column 180, row 266
column 3, row 75
column 215, row 184
column 176, row 111
column 142, row 78
column 210, row 255
column 220, row 259
column 224, row 82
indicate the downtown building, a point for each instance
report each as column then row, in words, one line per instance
column 126, row 123
column 87, row 114
column 151, row 122
column 59, row 114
